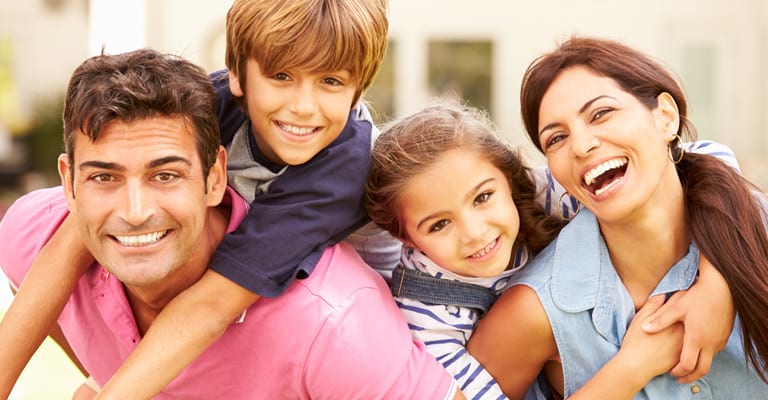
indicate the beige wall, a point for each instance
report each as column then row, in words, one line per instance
column 50, row 44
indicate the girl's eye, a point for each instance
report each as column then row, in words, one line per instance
column 483, row 198
column 439, row 225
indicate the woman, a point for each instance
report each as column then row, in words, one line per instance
column 610, row 121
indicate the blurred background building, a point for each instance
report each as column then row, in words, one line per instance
column 476, row 50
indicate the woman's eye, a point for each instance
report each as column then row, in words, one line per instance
column 554, row 139
column 600, row 113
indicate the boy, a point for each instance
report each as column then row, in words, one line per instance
column 301, row 158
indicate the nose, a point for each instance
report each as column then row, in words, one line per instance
column 304, row 101
column 137, row 205
column 473, row 229
column 583, row 141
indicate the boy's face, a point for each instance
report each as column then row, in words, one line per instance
column 295, row 113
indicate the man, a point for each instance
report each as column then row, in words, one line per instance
column 145, row 180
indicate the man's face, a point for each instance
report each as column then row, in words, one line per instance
column 139, row 196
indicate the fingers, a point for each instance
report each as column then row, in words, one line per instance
column 701, row 368
column 666, row 315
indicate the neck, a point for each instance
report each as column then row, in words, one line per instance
column 644, row 246
column 148, row 301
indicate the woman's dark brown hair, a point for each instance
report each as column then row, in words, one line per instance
column 726, row 219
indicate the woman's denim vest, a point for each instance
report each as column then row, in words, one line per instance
column 589, row 310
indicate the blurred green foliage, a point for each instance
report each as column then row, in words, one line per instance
column 44, row 137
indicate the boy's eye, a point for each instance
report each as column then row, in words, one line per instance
column 281, row 76
column 439, row 225
column 333, row 81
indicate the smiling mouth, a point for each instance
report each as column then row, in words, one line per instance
column 140, row 240
column 603, row 176
column 485, row 249
column 297, row 130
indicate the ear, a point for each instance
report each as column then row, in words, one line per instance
column 216, row 184
column 65, row 173
column 667, row 115
column 234, row 84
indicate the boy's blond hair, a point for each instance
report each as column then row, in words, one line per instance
column 319, row 35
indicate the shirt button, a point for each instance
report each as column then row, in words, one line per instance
column 695, row 389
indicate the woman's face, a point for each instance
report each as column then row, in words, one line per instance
column 460, row 213
column 605, row 147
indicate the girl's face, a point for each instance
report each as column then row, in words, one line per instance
column 605, row 147
column 460, row 213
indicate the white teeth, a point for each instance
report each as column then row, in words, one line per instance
column 141, row 240
column 484, row 251
column 296, row 130
column 591, row 175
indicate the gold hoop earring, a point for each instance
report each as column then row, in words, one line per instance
column 559, row 206
column 675, row 146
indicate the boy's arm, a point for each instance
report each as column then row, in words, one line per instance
column 40, row 299
column 642, row 356
column 708, row 313
column 182, row 331
column 444, row 330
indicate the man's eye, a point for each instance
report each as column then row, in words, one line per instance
column 102, row 178
column 165, row 177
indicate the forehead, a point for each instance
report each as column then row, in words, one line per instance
column 449, row 182
column 137, row 141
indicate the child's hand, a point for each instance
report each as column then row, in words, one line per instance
column 708, row 313
column 651, row 354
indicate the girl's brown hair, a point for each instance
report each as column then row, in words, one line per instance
column 410, row 145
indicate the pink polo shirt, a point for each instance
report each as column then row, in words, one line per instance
column 335, row 335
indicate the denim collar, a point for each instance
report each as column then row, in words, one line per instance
column 583, row 278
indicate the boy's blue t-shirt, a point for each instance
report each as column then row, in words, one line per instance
column 305, row 208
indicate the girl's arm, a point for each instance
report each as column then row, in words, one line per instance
column 708, row 313
column 182, row 331
column 642, row 356
column 514, row 341
column 40, row 299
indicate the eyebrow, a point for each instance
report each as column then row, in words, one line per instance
column 472, row 193
column 117, row 167
column 581, row 110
